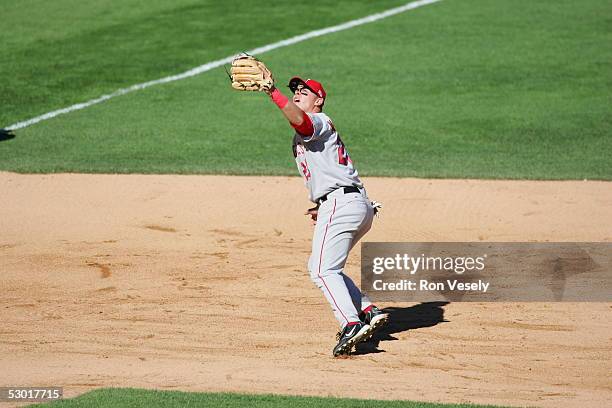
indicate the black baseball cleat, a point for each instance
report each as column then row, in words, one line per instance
column 352, row 334
column 375, row 318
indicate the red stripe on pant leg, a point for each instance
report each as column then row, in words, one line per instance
column 321, row 261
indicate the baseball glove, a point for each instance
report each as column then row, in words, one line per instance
column 250, row 74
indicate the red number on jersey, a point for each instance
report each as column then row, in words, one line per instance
column 305, row 170
column 343, row 157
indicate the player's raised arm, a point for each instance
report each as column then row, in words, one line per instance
column 250, row 74
column 308, row 97
column 296, row 116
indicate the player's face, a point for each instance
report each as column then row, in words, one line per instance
column 305, row 99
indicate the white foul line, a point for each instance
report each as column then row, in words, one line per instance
column 214, row 64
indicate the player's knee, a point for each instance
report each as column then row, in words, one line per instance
column 322, row 273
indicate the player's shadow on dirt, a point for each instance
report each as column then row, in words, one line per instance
column 402, row 319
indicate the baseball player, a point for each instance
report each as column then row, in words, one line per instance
column 343, row 213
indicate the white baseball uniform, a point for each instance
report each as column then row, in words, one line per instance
column 343, row 218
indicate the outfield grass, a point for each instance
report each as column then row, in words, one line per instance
column 66, row 51
column 461, row 88
column 115, row 397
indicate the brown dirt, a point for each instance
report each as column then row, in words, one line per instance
column 199, row 283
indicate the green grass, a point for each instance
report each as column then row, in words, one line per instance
column 461, row 88
column 115, row 397
column 67, row 51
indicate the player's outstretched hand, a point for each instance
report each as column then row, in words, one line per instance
column 313, row 212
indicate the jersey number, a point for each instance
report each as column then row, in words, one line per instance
column 305, row 170
column 343, row 157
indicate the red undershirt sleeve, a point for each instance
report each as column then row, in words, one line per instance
column 306, row 129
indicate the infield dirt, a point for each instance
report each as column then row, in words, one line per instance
column 200, row 283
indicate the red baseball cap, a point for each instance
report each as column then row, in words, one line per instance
column 311, row 84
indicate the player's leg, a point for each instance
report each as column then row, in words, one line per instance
column 348, row 218
column 324, row 271
column 369, row 313
column 361, row 300
column 338, row 223
column 354, row 291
